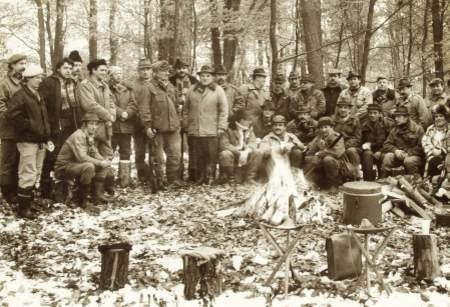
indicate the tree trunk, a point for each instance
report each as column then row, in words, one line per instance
column 339, row 49
column 367, row 37
column 148, row 49
column 194, row 36
column 311, row 15
column 183, row 31
column 215, row 35
column 113, row 39
column 297, row 34
column 58, row 51
column 410, row 39
column 114, row 269
column 166, row 43
column 273, row 37
column 423, row 59
column 426, row 257
column 438, row 35
column 93, row 33
column 41, row 23
column 230, row 39
column 260, row 53
column 48, row 26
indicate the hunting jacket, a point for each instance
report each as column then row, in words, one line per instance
column 8, row 87
column 350, row 128
column 359, row 99
column 417, row 109
column 435, row 138
column 125, row 102
column 330, row 145
column 407, row 137
column 376, row 133
column 235, row 140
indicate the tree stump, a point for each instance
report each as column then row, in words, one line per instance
column 114, row 273
column 426, row 257
column 202, row 272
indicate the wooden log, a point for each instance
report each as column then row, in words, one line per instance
column 426, row 257
column 430, row 198
column 416, row 197
column 202, row 273
column 114, row 271
column 443, row 219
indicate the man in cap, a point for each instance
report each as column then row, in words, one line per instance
column 255, row 98
column 182, row 80
column 95, row 97
column 374, row 132
column 415, row 105
column 158, row 114
column 323, row 158
column 238, row 152
column 303, row 126
column 437, row 95
column 141, row 144
column 77, row 73
column 332, row 91
column 359, row 96
column 205, row 118
column 403, row 145
column 28, row 115
column 384, row 96
column 309, row 96
column 123, row 127
column 279, row 102
column 64, row 112
column 286, row 142
column 294, row 85
column 80, row 160
column 233, row 96
column 9, row 156
column 349, row 126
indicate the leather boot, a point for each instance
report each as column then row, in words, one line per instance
column 109, row 185
column 24, row 198
column 124, row 173
column 60, row 192
column 46, row 189
column 84, row 192
column 99, row 190
column 226, row 174
column 8, row 193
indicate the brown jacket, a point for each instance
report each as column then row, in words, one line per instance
column 8, row 87
column 407, row 138
column 332, row 145
column 125, row 102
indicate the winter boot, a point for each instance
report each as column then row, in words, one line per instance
column 60, row 191
column 84, row 192
column 226, row 174
column 109, row 184
column 9, row 194
column 25, row 198
column 99, row 190
column 124, row 173
column 46, row 188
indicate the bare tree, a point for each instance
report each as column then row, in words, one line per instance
column 215, row 34
column 58, row 50
column 230, row 39
column 148, row 48
column 273, row 36
column 113, row 38
column 93, row 33
column 367, row 37
column 438, row 36
column 41, row 24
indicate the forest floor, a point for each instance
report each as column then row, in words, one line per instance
column 54, row 259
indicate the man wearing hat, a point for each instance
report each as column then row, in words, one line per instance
column 303, row 126
column 255, row 98
column 158, row 114
column 349, row 126
column 417, row 108
column 64, row 112
column 182, row 80
column 279, row 102
column 322, row 162
column 359, row 96
column 77, row 74
column 233, row 96
column 309, row 96
column 384, row 96
column 403, row 145
column 437, row 95
column 374, row 132
column 9, row 157
column 140, row 91
column 286, row 142
column 205, row 118
column 28, row 114
column 80, row 160
column 294, row 85
column 332, row 91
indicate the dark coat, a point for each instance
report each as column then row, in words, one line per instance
column 305, row 131
column 125, row 102
column 331, row 96
column 8, row 87
column 407, row 138
column 173, row 79
column 279, row 103
column 376, row 133
column 50, row 91
column 350, row 129
column 28, row 115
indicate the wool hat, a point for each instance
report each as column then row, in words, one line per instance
column 436, row 81
column 32, row 70
column 259, row 72
column 144, row 63
column 294, row 75
column 352, row 74
column 307, row 79
column 74, row 55
column 205, row 69
column 90, row 117
column 403, row 82
column 325, row 121
column 180, row 64
column 161, row 66
column 401, row 111
column 278, row 119
column 374, row 107
column 16, row 58
column 220, row 70
column 94, row 64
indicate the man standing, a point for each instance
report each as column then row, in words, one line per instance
column 279, row 102
column 417, row 108
column 437, row 95
column 294, row 85
column 403, row 145
column 233, row 96
column 77, row 73
column 64, row 112
column 9, row 157
column 182, row 80
column 374, row 132
column 359, row 96
column 28, row 115
column 332, row 91
column 255, row 99
column 158, row 113
column 79, row 159
column 205, row 117
column 311, row 97
column 384, row 96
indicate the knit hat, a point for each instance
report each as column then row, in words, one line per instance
column 16, row 58
column 259, row 72
column 325, row 121
column 75, row 56
column 32, row 70
column 441, row 109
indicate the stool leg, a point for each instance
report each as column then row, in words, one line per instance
column 286, row 274
column 366, row 246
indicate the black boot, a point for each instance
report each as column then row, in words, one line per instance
column 84, row 192
column 109, row 185
column 99, row 190
column 25, row 198
column 60, row 192
column 9, row 193
column 46, row 189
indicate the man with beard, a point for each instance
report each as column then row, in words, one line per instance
column 303, row 126
column 437, row 95
column 232, row 92
column 294, row 85
column 9, row 158
column 374, row 130
column 359, row 96
column 279, row 102
column 332, row 91
column 77, row 73
column 182, row 80
column 417, row 108
column 311, row 97
column 384, row 96
column 80, row 160
column 403, row 145
column 58, row 94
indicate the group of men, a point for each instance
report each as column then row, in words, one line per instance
column 63, row 129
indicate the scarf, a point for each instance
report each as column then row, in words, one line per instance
column 67, row 94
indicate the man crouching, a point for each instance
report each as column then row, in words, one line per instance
column 80, row 159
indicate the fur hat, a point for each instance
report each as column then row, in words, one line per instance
column 75, row 56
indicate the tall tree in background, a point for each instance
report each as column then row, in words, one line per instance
column 312, row 17
column 113, row 38
column 230, row 40
column 148, row 48
column 273, row 36
column 41, row 25
column 438, row 35
column 367, row 37
column 215, row 34
column 58, row 46
column 183, row 31
column 93, row 32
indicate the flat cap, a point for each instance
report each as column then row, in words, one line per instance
column 32, row 70
column 278, row 119
column 161, row 66
column 436, row 81
column 325, row 121
column 144, row 63
column 16, row 58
